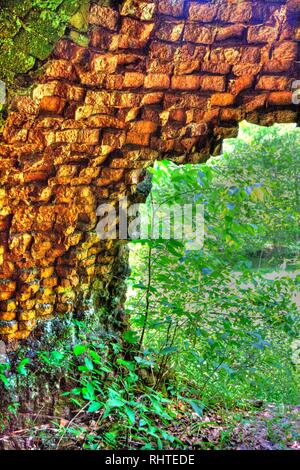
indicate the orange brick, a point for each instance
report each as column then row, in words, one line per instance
column 280, row 98
column 213, row 83
column 186, row 82
column 138, row 139
column 133, row 79
column 144, row 127
column 52, row 104
column 157, row 80
column 222, row 99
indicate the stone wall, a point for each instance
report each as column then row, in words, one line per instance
column 153, row 79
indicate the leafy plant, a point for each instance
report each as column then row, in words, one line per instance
column 209, row 317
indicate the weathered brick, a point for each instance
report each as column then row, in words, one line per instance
column 60, row 69
column 143, row 127
column 243, row 69
column 268, row 82
column 213, row 83
column 222, row 99
column 94, row 79
column 188, row 100
column 161, row 51
column 157, row 80
column 235, row 12
column 144, row 10
column 25, row 105
column 199, row 34
column 104, row 63
column 133, row 79
column 230, row 32
column 156, row 66
column 189, row 58
column 177, row 115
column 52, row 104
column 100, row 38
column 156, row 77
column 170, row 31
column 282, row 58
column 236, row 86
column 171, row 8
column 114, row 82
column 103, row 16
column 69, row 51
column 231, row 114
column 115, row 140
column 186, row 82
column 100, row 98
column 67, row 136
column 134, row 34
column 262, row 33
column 137, row 139
column 152, row 98
column 100, row 121
column 202, row 12
column 280, row 98
column 253, row 103
column 125, row 100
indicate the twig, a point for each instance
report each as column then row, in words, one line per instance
column 72, row 421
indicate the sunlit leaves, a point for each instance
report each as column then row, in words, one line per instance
column 214, row 320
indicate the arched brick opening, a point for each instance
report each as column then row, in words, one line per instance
column 156, row 79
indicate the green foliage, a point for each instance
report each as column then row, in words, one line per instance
column 104, row 388
column 109, row 386
column 211, row 322
column 267, row 162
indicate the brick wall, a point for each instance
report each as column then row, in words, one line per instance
column 158, row 78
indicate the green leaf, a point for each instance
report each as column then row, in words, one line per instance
column 128, row 364
column 79, row 349
column 21, row 367
column 131, row 415
column 130, row 337
column 197, row 408
column 89, row 363
column 169, row 350
column 94, row 406
column 115, row 403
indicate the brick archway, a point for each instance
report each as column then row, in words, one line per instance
column 157, row 78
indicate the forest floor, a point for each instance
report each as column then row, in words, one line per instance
column 271, row 427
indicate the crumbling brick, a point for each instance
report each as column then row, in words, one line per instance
column 153, row 78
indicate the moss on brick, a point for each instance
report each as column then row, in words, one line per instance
column 80, row 19
column 9, row 26
column 29, row 30
column 79, row 39
column 15, row 61
column 18, row 7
